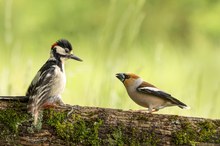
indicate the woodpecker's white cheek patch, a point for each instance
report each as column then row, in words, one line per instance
column 60, row 50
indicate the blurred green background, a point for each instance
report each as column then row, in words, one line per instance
column 174, row 45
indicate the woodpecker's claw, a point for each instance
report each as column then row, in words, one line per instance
column 75, row 107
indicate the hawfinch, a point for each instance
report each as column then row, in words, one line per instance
column 147, row 95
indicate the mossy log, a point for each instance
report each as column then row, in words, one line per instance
column 78, row 125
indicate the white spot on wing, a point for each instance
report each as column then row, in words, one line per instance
column 48, row 75
column 150, row 88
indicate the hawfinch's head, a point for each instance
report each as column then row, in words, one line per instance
column 128, row 78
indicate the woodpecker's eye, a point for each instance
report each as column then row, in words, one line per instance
column 67, row 50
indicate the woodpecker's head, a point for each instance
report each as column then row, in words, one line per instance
column 61, row 50
column 129, row 79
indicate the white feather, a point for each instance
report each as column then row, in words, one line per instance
column 60, row 50
column 150, row 88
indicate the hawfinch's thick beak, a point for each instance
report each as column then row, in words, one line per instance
column 120, row 76
column 72, row 56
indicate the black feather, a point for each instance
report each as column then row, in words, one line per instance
column 64, row 44
column 39, row 91
column 45, row 69
column 161, row 94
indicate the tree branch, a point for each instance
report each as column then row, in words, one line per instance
column 76, row 125
column 15, row 98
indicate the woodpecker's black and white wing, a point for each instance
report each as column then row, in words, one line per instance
column 42, row 76
column 156, row 92
column 42, row 85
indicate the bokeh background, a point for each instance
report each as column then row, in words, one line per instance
column 172, row 44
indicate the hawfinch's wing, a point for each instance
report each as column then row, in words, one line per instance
column 153, row 91
column 156, row 92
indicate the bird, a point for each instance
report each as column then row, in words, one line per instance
column 146, row 94
column 49, row 82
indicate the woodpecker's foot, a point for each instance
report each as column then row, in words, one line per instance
column 67, row 105
column 56, row 105
column 70, row 112
column 47, row 106
column 75, row 107
column 60, row 102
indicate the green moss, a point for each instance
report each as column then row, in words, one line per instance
column 53, row 118
column 185, row 136
column 77, row 131
column 201, row 132
column 207, row 130
column 11, row 119
column 116, row 137
column 151, row 139
column 128, row 136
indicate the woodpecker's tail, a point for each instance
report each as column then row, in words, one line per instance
column 35, row 114
column 33, row 109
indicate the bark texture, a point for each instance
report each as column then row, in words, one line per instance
column 76, row 125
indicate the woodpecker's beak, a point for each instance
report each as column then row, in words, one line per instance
column 120, row 76
column 72, row 56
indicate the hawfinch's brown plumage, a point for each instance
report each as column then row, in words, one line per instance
column 147, row 95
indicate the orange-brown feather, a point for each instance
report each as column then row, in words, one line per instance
column 131, row 80
column 134, row 76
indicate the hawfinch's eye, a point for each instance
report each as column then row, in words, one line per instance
column 127, row 76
